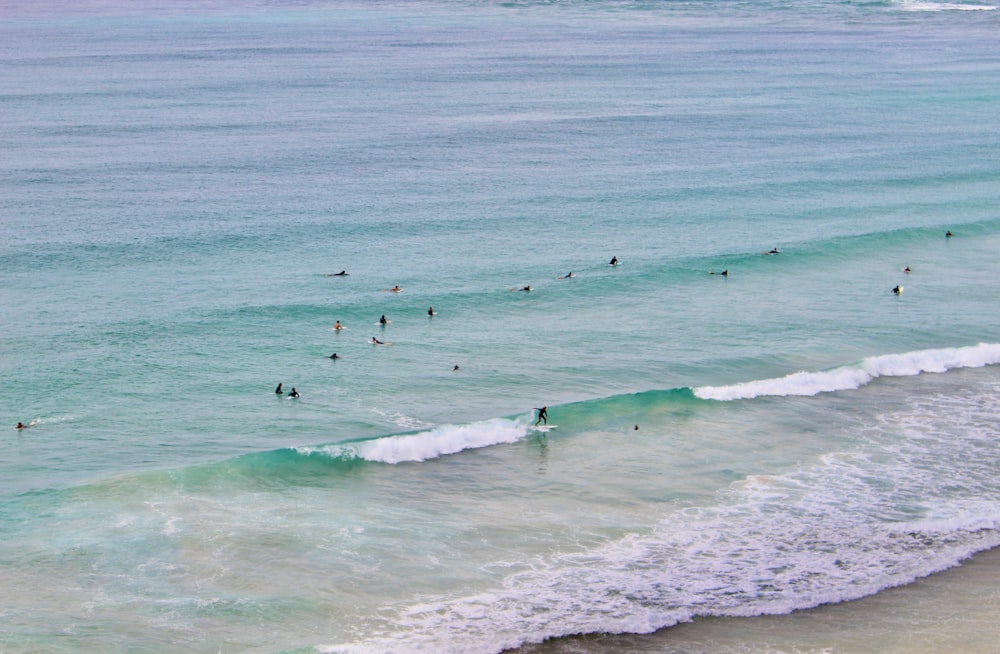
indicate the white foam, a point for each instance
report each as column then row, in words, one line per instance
column 923, row 5
column 853, row 523
column 429, row 444
column 857, row 375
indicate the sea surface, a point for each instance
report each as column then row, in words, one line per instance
column 755, row 445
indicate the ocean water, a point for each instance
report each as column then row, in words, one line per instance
column 752, row 452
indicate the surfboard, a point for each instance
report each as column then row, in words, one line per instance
column 544, row 428
column 383, row 324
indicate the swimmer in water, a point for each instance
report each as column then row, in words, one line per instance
column 948, row 234
column 21, row 425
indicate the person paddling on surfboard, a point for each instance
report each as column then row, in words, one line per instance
column 543, row 415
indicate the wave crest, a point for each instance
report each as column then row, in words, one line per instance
column 428, row 444
column 857, row 375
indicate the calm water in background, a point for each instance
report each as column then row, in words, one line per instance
column 179, row 184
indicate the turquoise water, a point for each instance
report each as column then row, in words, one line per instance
column 181, row 184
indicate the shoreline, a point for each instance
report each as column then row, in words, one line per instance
column 955, row 610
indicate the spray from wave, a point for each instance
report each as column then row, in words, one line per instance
column 857, row 375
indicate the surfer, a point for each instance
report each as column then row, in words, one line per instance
column 21, row 425
column 543, row 415
column 382, row 321
column 278, row 389
column 774, row 251
column 293, row 393
column 430, row 311
column 342, row 273
column 907, row 270
column 375, row 341
column 724, row 273
column 455, row 369
column 948, row 234
column 898, row 290
column 523, row 288
column 613, row 262
column 338, row 326
column 334, row 356
column 394, row 289
column 567, row 276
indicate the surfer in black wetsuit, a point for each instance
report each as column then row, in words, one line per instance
column 278, row 389
column 375, row 341
column 334, row 356
column 342, row 273
column 430, row 311
column 897, row 289
column 294, row 393
column 543, row 415
column 614, row 261
column 382, row 321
